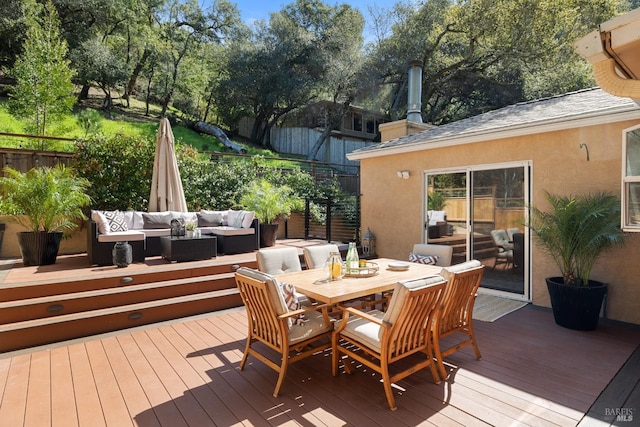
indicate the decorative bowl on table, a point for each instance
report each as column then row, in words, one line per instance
column 398, row 266
column 367, row 270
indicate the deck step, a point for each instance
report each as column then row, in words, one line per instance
column 42, row 312
column 74, row 302
column 114, row 278
column 18, row 335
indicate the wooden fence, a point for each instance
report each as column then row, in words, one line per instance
column 24, row 159
column 299, row 141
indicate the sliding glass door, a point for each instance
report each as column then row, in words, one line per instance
column 480, row 211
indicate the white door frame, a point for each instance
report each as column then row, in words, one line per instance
column 527, row 165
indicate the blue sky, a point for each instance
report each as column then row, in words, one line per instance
column 256, row 9
column 252, row 10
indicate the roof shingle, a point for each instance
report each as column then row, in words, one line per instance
column 558, row 108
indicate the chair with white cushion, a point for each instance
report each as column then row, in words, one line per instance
column 378, row 339
column 272, row 323
column 317, row 256
column 504, row 248
column 278, row 260
column 456, row 315
column 443, row 252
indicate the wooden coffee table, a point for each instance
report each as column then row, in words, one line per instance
column 180, row 248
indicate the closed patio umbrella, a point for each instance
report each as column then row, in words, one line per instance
column 167, row 193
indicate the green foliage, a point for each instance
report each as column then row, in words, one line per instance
column 269, row 202
column 120, row 170
column 44, row 199
column 43, row 90
column 483, row 54
column 436, row 201
column 212, row 185
column 308, row 50
column 90, row 120
column 576, row 230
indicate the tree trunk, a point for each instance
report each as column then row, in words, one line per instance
column 84, row 92
column 203, row 127
column 135, row 73
column 147, row 99
column 319, row 143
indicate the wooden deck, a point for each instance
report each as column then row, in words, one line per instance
column 185, row 373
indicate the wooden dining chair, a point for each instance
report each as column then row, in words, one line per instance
column 456, row 314
column 317, row 256
column 271, row 322
column 379, row 339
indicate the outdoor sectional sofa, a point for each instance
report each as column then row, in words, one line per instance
column 236, row 231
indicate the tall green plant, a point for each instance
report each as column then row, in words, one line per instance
column 269, row 202
column 436, row 201
column 576, row 230
column 43, row 90
column 44, row 198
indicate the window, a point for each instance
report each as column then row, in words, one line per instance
column 371, row 126
column 631, row 179
column 357, row 122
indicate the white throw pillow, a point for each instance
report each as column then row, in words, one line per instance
column 116, row 221
column 235, row 218
column 101, row 221
column 248, row 219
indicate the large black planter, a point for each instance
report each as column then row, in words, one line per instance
column 39, row 247
column 268, row 235
column 576, row 307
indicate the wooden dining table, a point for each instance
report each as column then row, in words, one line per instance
column 314, row 284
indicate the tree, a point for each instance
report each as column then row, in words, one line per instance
column 289, row 63
column 479, row 55
column 12, row 30
column 343, row 58
column 98, row 63
column 183, row 27
column 44, row 90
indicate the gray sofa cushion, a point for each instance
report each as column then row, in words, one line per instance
column 157, row 220
column 209, row 218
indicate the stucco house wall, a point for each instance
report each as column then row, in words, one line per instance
column 393, row 207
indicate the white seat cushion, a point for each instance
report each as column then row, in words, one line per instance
column 121, row 236
column 314, row 325
column 361, row 330
column 156, row 232
column 224, row 230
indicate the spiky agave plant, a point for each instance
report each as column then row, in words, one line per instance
column 576, row 230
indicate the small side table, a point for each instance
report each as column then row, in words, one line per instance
column 180, row 248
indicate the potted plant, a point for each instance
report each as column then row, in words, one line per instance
column 575, row 232
column 270, row 203
column 48, row 202
column 190, row 228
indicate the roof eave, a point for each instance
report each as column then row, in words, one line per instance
column 589, row 119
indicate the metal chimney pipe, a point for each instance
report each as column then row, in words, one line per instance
column 414, row 104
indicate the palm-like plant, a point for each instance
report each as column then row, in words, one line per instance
column 576, row 230
column 45, row 198
column 270, row 202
